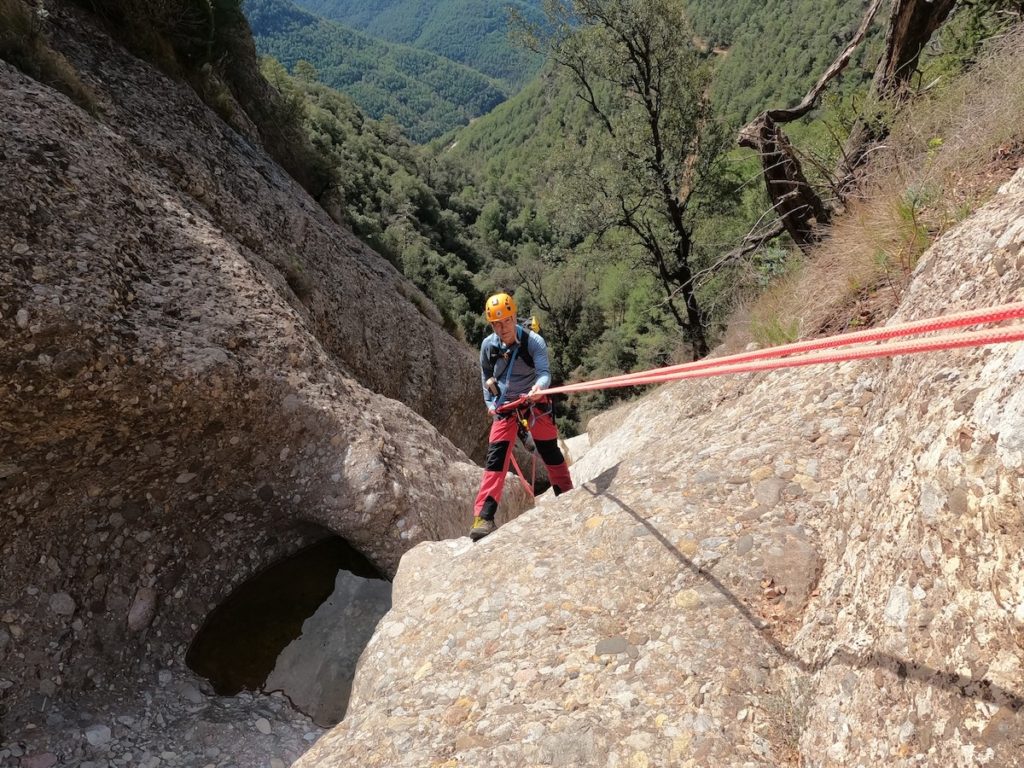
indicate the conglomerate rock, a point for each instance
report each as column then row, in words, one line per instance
column 819, row 567
column 199, row 374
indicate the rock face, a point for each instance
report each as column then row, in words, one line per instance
column 817, row 567
column 199, row 373
column 316, row 669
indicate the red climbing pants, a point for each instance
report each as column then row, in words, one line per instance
column 503, row 434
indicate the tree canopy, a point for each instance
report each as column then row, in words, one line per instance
column 426, row 94
column 471, row 32
column 602, row 195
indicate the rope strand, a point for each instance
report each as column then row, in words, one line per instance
column 749, row 361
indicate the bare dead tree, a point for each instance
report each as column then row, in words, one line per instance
column 911, row 25
column 797, row 204
column 799, row 207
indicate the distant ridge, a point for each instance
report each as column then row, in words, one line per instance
column 426, row 94
column 471, row 32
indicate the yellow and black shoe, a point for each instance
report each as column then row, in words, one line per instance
column 481, row 528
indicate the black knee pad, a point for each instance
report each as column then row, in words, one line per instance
column 496, row 456
column 549, row 452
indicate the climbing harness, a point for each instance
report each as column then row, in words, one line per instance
column 522, row 411
column 508, row 375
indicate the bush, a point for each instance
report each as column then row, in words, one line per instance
column 23, row 43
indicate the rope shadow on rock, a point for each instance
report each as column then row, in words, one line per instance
column 981, row 689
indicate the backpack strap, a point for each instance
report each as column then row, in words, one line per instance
column 524, row 345
column 521, row 350
column 508, row 375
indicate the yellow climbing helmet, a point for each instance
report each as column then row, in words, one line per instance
column 499, row 307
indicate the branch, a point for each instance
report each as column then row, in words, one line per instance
column 578, row 69
column 750, row 243
column 801, row 109
column 534, row 288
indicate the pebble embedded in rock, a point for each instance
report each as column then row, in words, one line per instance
column 611, row 646
column 62, row 604
column 191, row 694
column 97, row 735
column 143, row 609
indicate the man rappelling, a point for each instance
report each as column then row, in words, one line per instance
column 513, row 366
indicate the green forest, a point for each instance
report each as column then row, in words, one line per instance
column 471, row 32
column 424, row 93
column 608, row 194
column 771, row 52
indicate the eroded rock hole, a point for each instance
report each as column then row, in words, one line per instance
column 298, row 627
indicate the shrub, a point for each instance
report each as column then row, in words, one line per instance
column 23, row 43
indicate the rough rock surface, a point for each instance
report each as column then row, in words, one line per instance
column 316, row 669
column 199, row 373
column 820, row 567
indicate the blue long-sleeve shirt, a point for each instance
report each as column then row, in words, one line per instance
column 494, row 359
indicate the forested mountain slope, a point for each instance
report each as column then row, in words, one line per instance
column 472, row 32
column 768, row 54
column 512, row 143
column 772, row 52
column 426, row 94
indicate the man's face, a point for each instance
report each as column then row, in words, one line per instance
column 506, row 329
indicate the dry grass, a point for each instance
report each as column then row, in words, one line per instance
column 946, row 155
column 23, row 44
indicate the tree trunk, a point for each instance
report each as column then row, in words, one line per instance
column 682, row 274
column 693, row 315
column 798, row 206
column 795, row 202
column 911, row 25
